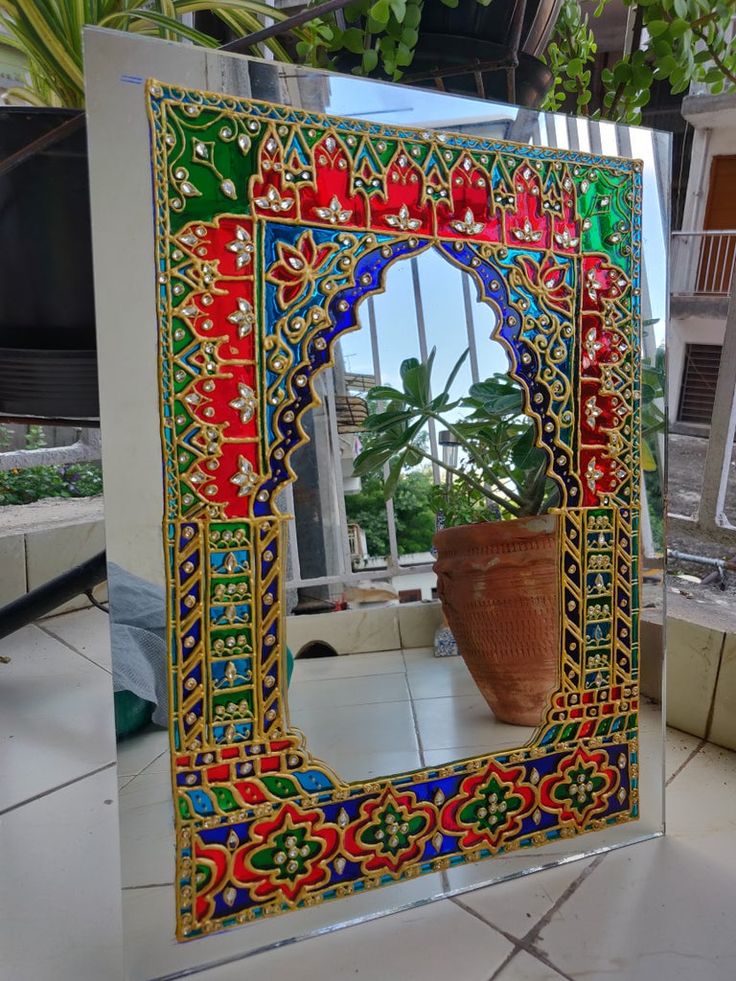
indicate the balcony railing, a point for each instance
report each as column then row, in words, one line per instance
column 703, row 262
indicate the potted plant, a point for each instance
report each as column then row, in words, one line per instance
column 497, row 552
column 47, row 329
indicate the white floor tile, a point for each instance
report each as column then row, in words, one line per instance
column 661, row 909
column 658, row 911
column 438, row 757
column 349, row 730
column 347, row 666
column 87, row 631
column 524, row 967
column 435, row 677
column 369, row 766
column 516, row 906
column 147, row 830
column 142, row 751
column 433, row 942
column 152, row 951
column 56, row 716
column 448, row 723
column 330, row 692
column 678, row 747
column 60, row 886
column 701, row 800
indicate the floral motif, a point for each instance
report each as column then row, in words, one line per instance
column 468, row 226
column 592, row 344
column 273, row 201
column 592, row 411
column 286, row 856
column 581, row 787
column 527, row 233
column 242, row 246
column 593, row 473
column 565, row 239
column 390, row 831
column 298, row 265
column 245, row 403
column 245, row 478
column 403, row 220
column 334, row 213
column 489, row 807
column 243, row 316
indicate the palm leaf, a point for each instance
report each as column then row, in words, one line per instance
column 50, row 34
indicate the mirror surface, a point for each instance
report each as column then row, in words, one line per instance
column 378, row 701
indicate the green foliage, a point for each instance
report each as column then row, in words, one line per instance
column 653, row 420
column 653, row 424
column 414, row 512
column 49, row 33
column 569, row 55
column 24, row 486
column 684, row 41
column 501, row 465
column 35, row 438
column 460, row 504
column 383, row 32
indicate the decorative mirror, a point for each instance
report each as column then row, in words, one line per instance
column 278, row 229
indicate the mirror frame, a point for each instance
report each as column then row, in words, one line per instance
column 272, row 225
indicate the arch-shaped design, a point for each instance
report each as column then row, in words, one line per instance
column 272, row 226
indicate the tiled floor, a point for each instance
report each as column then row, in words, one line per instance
column 658, row 911
column 409, row 708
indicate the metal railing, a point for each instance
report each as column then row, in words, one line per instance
column 703, row 262
column 340, row 565
column 335, row 385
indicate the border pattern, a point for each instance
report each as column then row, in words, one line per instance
column 272, row 225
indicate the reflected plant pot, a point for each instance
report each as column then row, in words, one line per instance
column 499, row 587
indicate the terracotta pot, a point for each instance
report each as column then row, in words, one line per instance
column 498, row 583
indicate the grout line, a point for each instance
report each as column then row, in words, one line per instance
column 346, row 677
column 414, row 719
column 479, row 916
column 688, row 759
column 50, row 633
column 504, row 963
column 529, row 938
column 527, row 941
column 519, row 943
column 712, row 709
column 149, row 885
column 130, row 779
column 61, row 786
column 538, row 955
column 296, row 707
column 512, row 939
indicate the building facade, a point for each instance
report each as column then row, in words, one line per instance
column 703, row 259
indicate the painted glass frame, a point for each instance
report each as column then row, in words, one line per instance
column 272, row 224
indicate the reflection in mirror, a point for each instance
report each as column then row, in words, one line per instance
column 375, row 681
column 462, row 457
